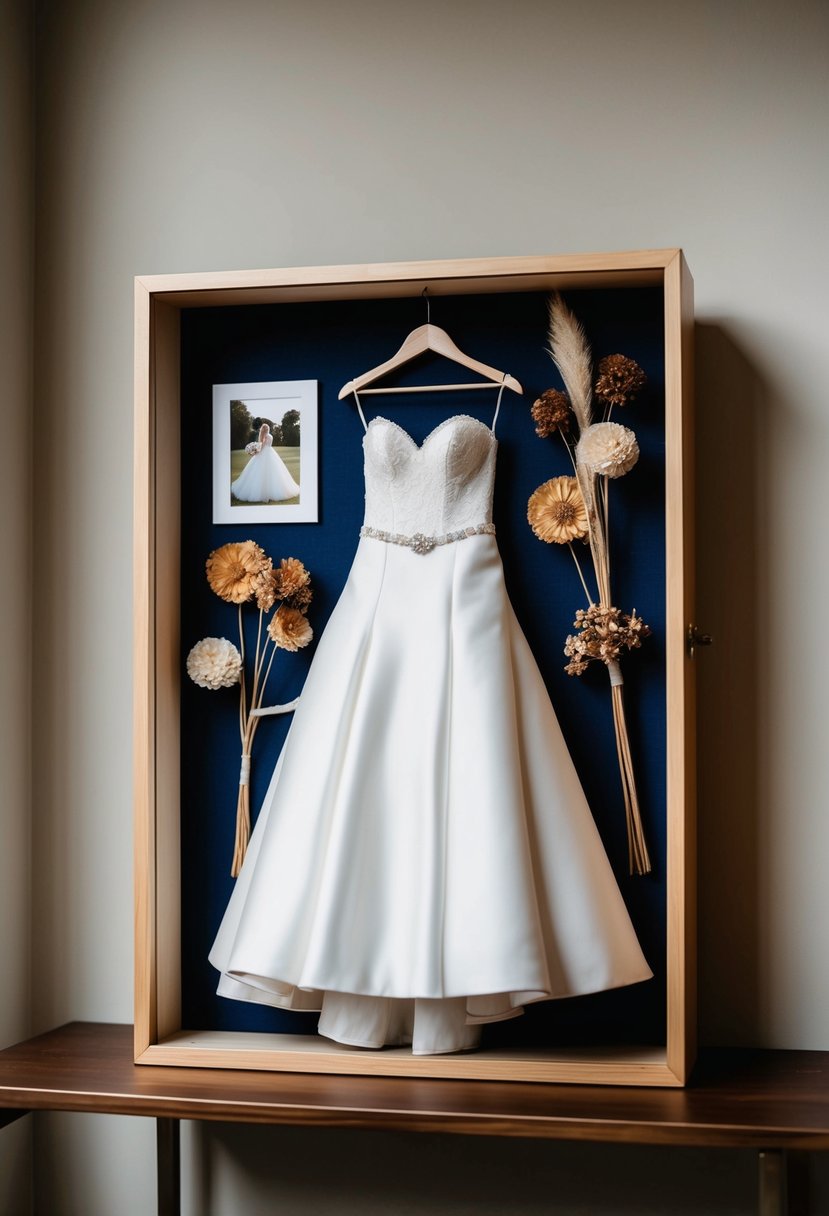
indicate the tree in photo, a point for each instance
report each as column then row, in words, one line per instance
column 241, row 425
column 290, row 429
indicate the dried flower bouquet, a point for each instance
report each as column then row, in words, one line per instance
column 566, row 509
column 242, row 573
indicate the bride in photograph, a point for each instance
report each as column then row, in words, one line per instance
column 265, row 478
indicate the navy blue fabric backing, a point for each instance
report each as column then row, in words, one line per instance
column 332, row 342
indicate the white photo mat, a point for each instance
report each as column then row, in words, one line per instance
column 271, row 399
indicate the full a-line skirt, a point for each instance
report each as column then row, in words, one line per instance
column 424, row 859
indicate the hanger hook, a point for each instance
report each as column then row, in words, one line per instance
column 425, row 296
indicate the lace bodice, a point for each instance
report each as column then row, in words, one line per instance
column 442, row 485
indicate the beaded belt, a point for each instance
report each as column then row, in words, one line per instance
column 425, row 544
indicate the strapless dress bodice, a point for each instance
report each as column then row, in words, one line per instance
column 441, row 486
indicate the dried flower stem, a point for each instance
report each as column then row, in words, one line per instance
column 249, row 726
column 587, row 485
column 242, row 697
column 243, row 798
column 256, row 661
column 578, row 567
column 569, row 452
column 606, row 506
column 267, row 673
column 638, row 856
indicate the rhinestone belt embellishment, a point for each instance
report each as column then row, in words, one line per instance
column 425, row 544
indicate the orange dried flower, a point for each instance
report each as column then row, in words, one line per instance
column 301, row 598
column 556, row 511
column 289, row 628
column 233, row 569
column 291, row 577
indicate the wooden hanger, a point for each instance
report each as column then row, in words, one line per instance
column 429, row 337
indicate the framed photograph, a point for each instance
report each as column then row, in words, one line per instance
column 265, row 452
column 310, row 330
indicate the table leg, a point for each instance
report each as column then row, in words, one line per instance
column 168, row 1164
column 783, row 1183
column 772, row 1196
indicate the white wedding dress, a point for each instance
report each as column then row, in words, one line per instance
column 424, row 860
column 265, row 477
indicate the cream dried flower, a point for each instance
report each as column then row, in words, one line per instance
column 556, row 511
column 288, row 628
column 608, row 448
column 214, row 663
column 232, row 570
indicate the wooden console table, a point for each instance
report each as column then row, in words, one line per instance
column 774, row 1101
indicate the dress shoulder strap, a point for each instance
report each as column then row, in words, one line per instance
column 360, row 409
column 498, row 402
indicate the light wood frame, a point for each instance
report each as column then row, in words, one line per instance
column 159, row 1037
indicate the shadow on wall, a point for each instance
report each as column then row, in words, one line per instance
column 345, row 1172
column 732, row 412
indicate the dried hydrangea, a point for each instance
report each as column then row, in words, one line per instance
column 619, row 379
column 288, row 628
column 551, row 413
column 214, row 663
column 233, row 569
column 556, row 511
column 264, row 589
column 608, row 448
column 603, row 633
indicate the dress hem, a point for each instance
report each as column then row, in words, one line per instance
column 279, row 1001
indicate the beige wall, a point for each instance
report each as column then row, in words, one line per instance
column 16, row 251
column 194, row 134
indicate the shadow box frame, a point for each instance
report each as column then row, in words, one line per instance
column 160, row 1038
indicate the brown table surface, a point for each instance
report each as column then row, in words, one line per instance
column 760, row 1099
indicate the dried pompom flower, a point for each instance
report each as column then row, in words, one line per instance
column 214, row 663
column 233, row 569
column 619, row 379
column 608, row 448
column 289, row 628
column 603, row 633
column 551, row 413
column 291, row 577
column 556, row 511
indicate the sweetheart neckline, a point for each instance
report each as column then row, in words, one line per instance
column 434, row 431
